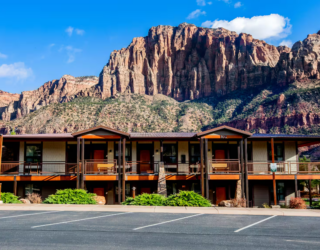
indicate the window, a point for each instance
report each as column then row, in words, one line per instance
column 170, row 153
column 33, row 153
column 32, row 188
column 194, row 153
column 127, row 154
column 278, row 152
column 10, row 151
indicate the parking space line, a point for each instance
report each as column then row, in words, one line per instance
column 138, row 228
column 70, row 221
column 254, row 224
column 14, row 216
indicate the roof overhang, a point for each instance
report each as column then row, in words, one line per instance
column 224, row 132
column 100, row 132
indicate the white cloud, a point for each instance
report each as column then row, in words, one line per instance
column 3, row 56
column 226, row 1
column 238, row 5
column 287, row 43
column 15, row 70
column 79, row 32
column 69, row 30
column 260, row 27
column 71, row 52
column 195, row 14
column 201, row 2
column 209, row 3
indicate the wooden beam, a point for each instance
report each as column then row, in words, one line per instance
column 246, row 169
column 1, row 144
column 223, row 137
column 83, row 167
column 310, row 195
column 78, row 162
column 101, row 137
column 101, row 177
column 15, row 186
column 242, row 169
column 308, row 144
column 224, row 177
column 295, row 186
column 273, row 174
column 124, row 169
column 201, row 167
column 119, row 171
column 207, row 167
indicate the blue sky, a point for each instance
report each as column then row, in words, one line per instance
column 42, row 40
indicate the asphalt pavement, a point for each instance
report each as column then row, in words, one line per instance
column 129, row 230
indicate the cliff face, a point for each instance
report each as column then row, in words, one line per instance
column 188, row 62
column 56, row 91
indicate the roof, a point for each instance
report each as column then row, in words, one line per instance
column 285, row 136
column 163, row 135
column 40, row 136
column 224, row 127
column 100, row 128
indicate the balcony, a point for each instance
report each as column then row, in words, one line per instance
column 284, row 168
column 224, row 166
column 40, row 168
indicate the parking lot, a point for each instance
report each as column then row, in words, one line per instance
column 125, row 230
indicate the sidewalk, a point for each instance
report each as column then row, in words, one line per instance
column 142, row 209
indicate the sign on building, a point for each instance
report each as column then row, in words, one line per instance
column 273, row 167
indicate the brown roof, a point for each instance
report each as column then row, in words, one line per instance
column 163, row 135
column 40, row 136
column 100, row 127
column 224, row 127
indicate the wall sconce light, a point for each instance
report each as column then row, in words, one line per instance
column 110, row 150
column 209, row 150
column 157, row 150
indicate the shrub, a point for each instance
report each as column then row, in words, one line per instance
column 10, row 198
column 187, row 199
column 146, row 200
column 71, row 196
column 34, row 198
column 265, row 205
column 297, row 203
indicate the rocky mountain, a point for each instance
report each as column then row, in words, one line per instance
column 209, row 77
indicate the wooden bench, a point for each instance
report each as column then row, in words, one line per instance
column 223, row 167
column 105, row 166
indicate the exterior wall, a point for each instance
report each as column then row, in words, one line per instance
column 224, row 132
column 21, row 156
column 156, row 155
column 53, row 152
column 134, row 151
column 110, row 148
column 183, row 149
column 290, row 154
column 260, row 194
column 260, row 154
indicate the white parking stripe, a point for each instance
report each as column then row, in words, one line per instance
column 254, row 224
column 14, row 216
column 91, row 218
column 138, row 228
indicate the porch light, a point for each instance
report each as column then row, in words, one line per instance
column 110, row 150
column 209, row 150
column 157, row 150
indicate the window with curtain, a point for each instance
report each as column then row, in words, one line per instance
column 127, row 154
column 194, row 153
column 170, row 153
column 33, row 153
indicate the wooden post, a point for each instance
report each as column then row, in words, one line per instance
column 119, row 171
column 242, row 169
column 310, row 195
column 161, row 151
column 0, row 190
column 15, row 186
column 78, row 162
column 124, row 169
column 133, row 192
column 201, row 167
column 273, row 174
column 246, row 169
column 207, row 167
column 1, row 144
column 83, row 167
column 295, row 186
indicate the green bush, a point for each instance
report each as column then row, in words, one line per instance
column 71, row 196
column 187, row 199
column 184, row 198
column 146, row 200
column 10, row 198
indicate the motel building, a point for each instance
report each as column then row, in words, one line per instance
column 216, row 163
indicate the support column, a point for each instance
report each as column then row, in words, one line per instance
column 201, row 166
column 124, row 169
column 295, row 186
column 15, row 186
column 1, row 143
column 242, row 169
column 246, row 170
column 83, row 167
column 161, row 150
column 78, row 162
column 207, row 167
column 310, row 195
column 119, row 171
column 273, row 174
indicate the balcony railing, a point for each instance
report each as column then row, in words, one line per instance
column 40, row 168
column 100, row 167
column 182, row 168
column 141, row 167
column 285, row 168
column 225, row 166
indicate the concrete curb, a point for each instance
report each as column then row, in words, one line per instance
column 145, row 209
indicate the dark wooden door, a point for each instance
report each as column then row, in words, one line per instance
column 145, row 158
column 99, row 191
column 220, row 194
column 97, row 155
column 145, row 190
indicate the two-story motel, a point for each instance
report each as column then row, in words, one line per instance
column 212, row 163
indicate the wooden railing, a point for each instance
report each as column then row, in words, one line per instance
column 224, row 166
column 100, row 167
column 182, row 168
column 142, row 167
column 285, row 167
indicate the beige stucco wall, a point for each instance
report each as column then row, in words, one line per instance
column 290, row 154
column 110, row 154
column 260, row 154
column 183, row 149
column 134, row 151
column 21, row 156
column 54, row 152
column 156, row 154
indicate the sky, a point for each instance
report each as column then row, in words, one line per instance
column 44, row 40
